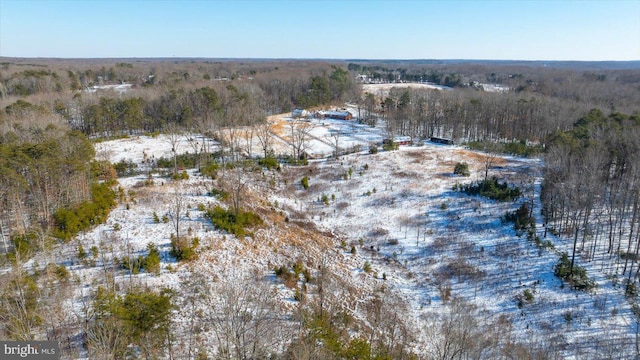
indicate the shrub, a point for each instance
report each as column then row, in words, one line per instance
column 305, row 182
column 125, row 168
column 81, row 253
column 134, row 265
column 288, row 278
column 528, row 295
column 70, row 221
column 182, row 249
column 390, row 145
column 630, row 290
column 180, row 176
column 210, row 170
column 152, row 261
column 521, row 219
column 269, row 162
column 143, row 316
column 461, row 168
column 578, row 279
column 295, row 162
column 520, row 148
column 492, row 189
column 184, row 161
column 231, row 222
column 103, row 170
column 373, row 149
column 367, row 267
column 219, row 194
column 61, row 272
column 94, row 251
column 298, row 268
column 568, row 316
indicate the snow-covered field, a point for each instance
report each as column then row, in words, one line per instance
column 428, row 243
column 383, row 89
column 120, row 88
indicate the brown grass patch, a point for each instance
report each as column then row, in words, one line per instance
column 479, row 158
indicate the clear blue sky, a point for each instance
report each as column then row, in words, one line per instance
column 383, row 29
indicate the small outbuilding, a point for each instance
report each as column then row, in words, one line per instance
column 438, row 140
column 398, row 140
column 340, row 115
column 299, row 113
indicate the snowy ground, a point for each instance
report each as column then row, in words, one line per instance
column 382, row 90
column 399, row 210
column 421, row 232
column 120, row 88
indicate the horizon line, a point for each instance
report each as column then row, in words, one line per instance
column 298, row 58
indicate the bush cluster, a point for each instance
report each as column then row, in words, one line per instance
column 231, row 222
column 290, row 278
column 24, row 246
column 142, row 316
column 461, row 168
column 269, row 162
column 184, row 161
column 150, row 263
column 291, row 161
column 521, row 219
column 182, row 248
column 492, row 189
column 125, row 168
column 519, row 148
column 180, row 176
column 219, row 194
column 210, row 170
column 70, row 221
column 578, row 279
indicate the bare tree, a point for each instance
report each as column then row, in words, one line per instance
column 21, row 313
column 490, row 157
column 389, row 333
column 178, row 207
column 242, row 314
column 454, row 337
column 196, row 142
column 236, row 181
column 335, row 137
column 173, row 137
column 106, row 338
column 300, row 131
column 264, row 133
column 195, row 290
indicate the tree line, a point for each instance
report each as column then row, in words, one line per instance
column 41, row 171
column 591, row 190
column 48, row 181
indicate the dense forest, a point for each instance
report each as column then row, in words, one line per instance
column 584, row 123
